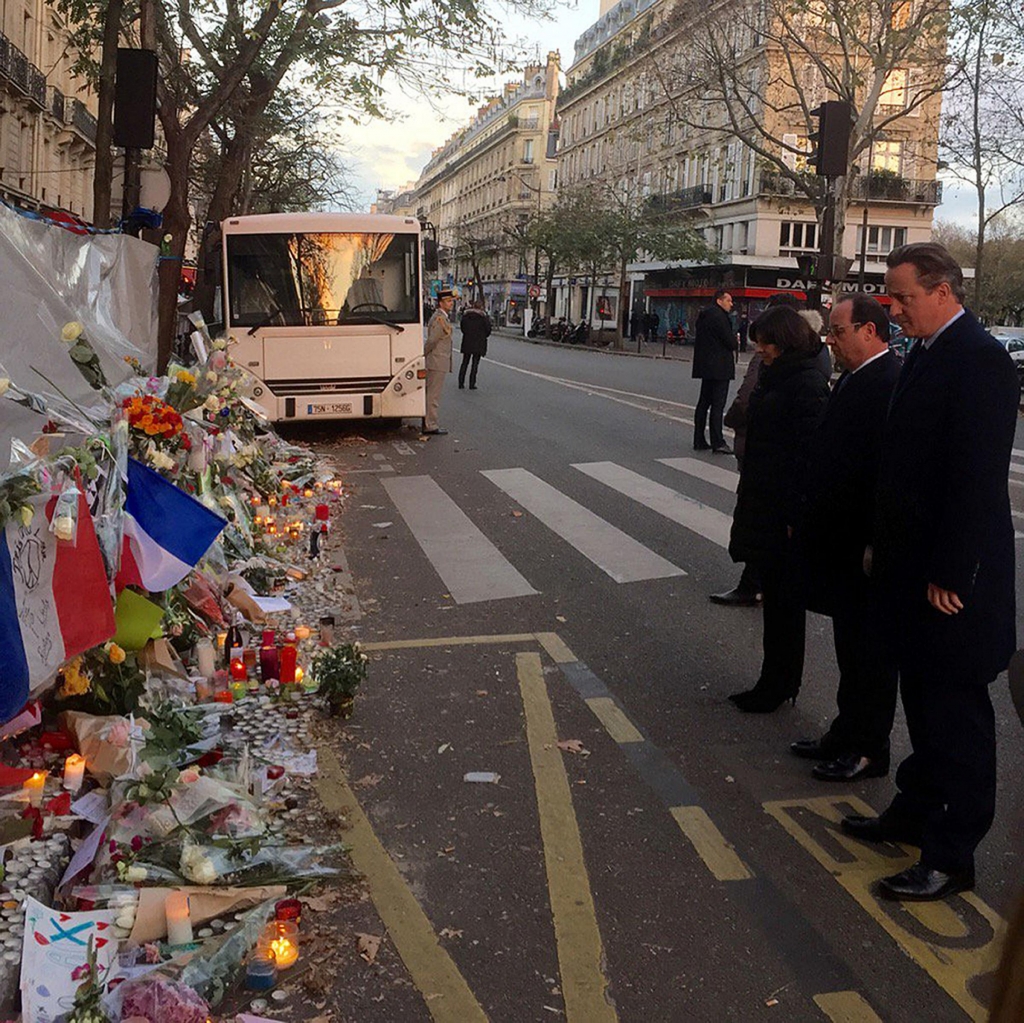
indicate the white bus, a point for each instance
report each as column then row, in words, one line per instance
column 326, row 311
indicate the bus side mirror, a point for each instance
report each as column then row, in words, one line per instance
column 430, row 262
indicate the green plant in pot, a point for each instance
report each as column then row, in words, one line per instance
column 339, row 671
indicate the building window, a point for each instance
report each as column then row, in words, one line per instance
column 797, row 236
column 893, row 96
column 528, row 151
column 881, row 240
column 886, row 157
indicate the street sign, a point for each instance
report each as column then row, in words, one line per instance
column 534, row 291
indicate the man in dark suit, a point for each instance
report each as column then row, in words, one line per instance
column 835, row 532
column 714, row 364
column 943, row 562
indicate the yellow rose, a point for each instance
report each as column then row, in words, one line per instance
column 72, row 331
column 25, row 515
column 116, row 654
column 184, row 377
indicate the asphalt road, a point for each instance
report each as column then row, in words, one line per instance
column 539, row 575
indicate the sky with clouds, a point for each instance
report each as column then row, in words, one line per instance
column 388, row 154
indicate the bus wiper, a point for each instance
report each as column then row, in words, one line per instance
column 265, row 322
column 380, row 319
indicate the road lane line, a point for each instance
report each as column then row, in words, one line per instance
column 954, row 955
column 580, row 951
column 616, row 724
column 846, row 1007
column 709, row 522
column 719, row 856
column 415, row 644
column 470, row 566
column 727, row 479
column 555, row 647
column 614, row 552
column 445, row 992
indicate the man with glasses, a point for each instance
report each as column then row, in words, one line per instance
column 835, row 533
column 943, row 564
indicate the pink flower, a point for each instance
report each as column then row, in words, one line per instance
column 80, row 972
column 118, row 734
column 136, row 843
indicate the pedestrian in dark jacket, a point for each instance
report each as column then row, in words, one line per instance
column 476, row 328
column 834, row 534
column 785, row 410
column 714, row 364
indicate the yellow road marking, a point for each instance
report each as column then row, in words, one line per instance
column 618, row 726
column 846, row 1007
column 718, row 855
column 445, row 991
column 580, row 953
column 413, row 644
column 555, row 648
column 952, row 953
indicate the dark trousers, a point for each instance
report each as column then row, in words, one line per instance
column 867, row 682
column 947, row 786
column 466, row 357
column 750, row 579
column 785, row 623
column 710, row 404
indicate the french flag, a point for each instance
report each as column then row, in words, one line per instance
column 166, row 531
column 54, row 601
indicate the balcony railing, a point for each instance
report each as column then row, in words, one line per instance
column 82, row 120
column 869, row 187
column 57, row 105
column 21, row 73
column 686, row 198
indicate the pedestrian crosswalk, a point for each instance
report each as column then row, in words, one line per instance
column 473, row 569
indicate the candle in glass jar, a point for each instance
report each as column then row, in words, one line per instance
column 238, row 669
column 284, row 943
column 34, row 788
column 327, row 630
column 179, row 922
column 222, row 638
column 302, row 632
column 206, row 658
column 74, row 772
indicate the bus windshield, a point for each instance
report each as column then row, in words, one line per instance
column 313, row 280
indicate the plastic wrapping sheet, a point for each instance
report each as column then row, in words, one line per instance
column 48, row 277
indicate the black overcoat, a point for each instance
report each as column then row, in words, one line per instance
column 714, row 345
column 784, row 411
column 476, row 328
column 942, row 512
column 839, row 507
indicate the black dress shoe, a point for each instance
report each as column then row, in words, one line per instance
column 472, row 387
column 879, row 829
column 700, row 445
column 762, row 699
column 814, row 749
column 722, row 449
column 438, row 432
column 851, row 767
column 736, row 598
column 921, row 884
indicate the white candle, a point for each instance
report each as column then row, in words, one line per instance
column 34, row 788
column 179, row 923
column 206, row 658
column 74, row 772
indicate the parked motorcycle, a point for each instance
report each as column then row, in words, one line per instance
column 538, row 328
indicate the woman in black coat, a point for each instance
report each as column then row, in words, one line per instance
column 476, row 328
column 785, row 409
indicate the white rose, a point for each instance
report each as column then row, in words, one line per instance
column 5, row 382
column 64, row 527
column 204, row 872
column 136, row 873
column 211, row 377
column 72, row 331
column 212, row 404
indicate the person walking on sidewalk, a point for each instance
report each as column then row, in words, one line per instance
column 438, row 351
column 943, row 562
column 476, row 328
column 839, row 510
column 714, row 365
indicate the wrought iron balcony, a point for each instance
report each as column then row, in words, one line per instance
column 776, row 183
column 869, row 187
column 21, row 73
column 57, row 106
column 82, row 121
column 685, row 198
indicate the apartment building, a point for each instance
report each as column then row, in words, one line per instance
column 482, row 187
column 47, row 118
column 630, row 119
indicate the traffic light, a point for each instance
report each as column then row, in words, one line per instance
column 831, row 156
column 815, row 267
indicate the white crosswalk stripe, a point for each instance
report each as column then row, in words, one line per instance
column 709, row 522
column 728, row 479
column 470, row 566
column 613, row 551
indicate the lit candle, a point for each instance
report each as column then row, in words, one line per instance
column 222, row 638
column 74, row 772
column 299, row 674
column 285, row 944
column 302, row 632
column 238, row 669
column 34, row 788
column 179, row 923
column 307, row 492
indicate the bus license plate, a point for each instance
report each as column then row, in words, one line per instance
column 330, row 408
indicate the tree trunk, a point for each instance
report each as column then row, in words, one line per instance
column 549, row 305
column 619, row 339
column 177, row 221
column 104, row 170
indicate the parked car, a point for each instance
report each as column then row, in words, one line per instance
column 1015, row 346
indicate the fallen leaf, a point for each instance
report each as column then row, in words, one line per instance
column 560, row 618
column 482, row 692
column 450, row 932
column 446, row 851
column 368, row 945
column 368, row 781
column 321, row 903
column 517, row 514
column 574, row 746
column 444, row 746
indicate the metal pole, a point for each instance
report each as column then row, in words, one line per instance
column 863, row 247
